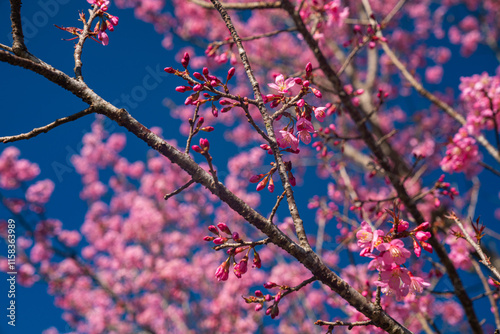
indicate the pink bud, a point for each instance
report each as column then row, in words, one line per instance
column 423, row 226
column 305, row 83
column 309, row 68
column 215, row 111
column 196, row 148
column 223, row 227
column 169, row 70
column 213, row 229
column 197, row 87
column 298, row 81
column 277, row 298
column 270, row 187
column 300, row 103
column 208, row 238
column 208, row 129
column 317, row 93
column 198, row 76
column 259, row 293
column 204, row 144
column 270, row 285
column 258, row 307
column 230, row 73
column 262, row 183
column 219, row 241
column 236, row 236
column 185, row 60
column 256, row 178
column 205, row 71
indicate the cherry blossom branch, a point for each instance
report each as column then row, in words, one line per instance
column 192, row 132
column 241, row 6
column 484, row 259
column 5, row 47
column 300, row 286
column 487, row 292
column 177, row 191
column 392, row 13
column 349, row 325
column 44, row 129
column 243, row 243
column 292, row 205
column 276, row 206
column 488, row 167
column 252, row 38
column 81, row 40
column 18, row 46
column 392, row 173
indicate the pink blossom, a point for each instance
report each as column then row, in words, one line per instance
column 281, row 84
column 305, row 128
column 222, row 272
column 417, row 284
column 39, row 193
column 320, row 114
column 287, row 139
column 394, row 252
column 367, row 239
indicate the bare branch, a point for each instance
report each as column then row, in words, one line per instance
column 484, row 259
column 83, row 37
column 44, row 129
column 175, row 192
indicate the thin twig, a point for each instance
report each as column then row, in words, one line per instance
column 175, row 192
column 192, row 131
column 488, row 292
column 252, row 38
column 484, row 259
column 241, row 6
column 44, row 129
column 276, row 206
column 488, row 167
column 5, row 47
column 393, row 12
column 82, row 38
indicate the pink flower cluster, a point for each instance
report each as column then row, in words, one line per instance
column 391, row 255
column 462, row 155
column 480, row 95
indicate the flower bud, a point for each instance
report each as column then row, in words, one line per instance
column 169, row 70
column 230, row 73
column 223, row 227
column 185, row 60
column 204, row 144
column 213, row 229
column 198, row 76
column 309, row 68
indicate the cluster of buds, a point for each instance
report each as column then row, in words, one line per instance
column 203, row 148
column 369, row 36
column 260, row 299
column 445, row 189
column 201, row 84
column 106, row 22
column 222, row 235
column 264, row 179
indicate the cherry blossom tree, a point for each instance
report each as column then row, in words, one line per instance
column 312, row 93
